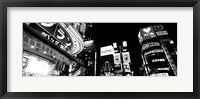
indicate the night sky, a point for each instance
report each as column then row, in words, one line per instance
column 107, row 33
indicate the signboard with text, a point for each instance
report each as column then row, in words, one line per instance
column 54, row 33
column 147, row 33
column 126, row 57
column 159, row 30
column 107, row 50
column 117, row 58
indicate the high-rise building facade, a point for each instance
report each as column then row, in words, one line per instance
column 158, row 51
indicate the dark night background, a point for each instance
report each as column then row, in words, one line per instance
column 107, row 33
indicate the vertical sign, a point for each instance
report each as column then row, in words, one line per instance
column 117, row 59
column 126, row 57
column 126, row 60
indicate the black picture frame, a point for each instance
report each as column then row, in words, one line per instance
column 4, row 4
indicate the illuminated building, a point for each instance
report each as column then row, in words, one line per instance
column 88, row 57
column 107, row 60
column 48, row 49
column 158, row 51
column 122, row 59
column 115, row 60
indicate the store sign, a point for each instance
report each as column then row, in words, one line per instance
column 147, row 33
column 107, row 50
column 153, row 51
column 62, row 35
column 166, row 69
column 55, row 33
column 53, row 40
column 48, row 27
column 127, row 67
column 148, row 45
column 161, row 33
column 159, row 29
column 126, row 57
column 160, row 74
column 117, row 58
column 89, row 43
column 158, row 60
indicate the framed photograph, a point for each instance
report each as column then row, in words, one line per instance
column 145, row 49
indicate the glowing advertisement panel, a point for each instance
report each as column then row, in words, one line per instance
column 147, row 33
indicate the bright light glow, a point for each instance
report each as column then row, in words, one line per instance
column 88, row 43
column 45, row 52
column 115, row 45
column 36, row 66
column 32, row 46
column 171, row 42
column 47, row 24
column 124, row 43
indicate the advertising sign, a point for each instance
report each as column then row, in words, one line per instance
column 162, row 33
column 160, row 74
column 117, row 59
column 127, row 67
column 54, row 33
column 48, row 27
column 126, row 57
column 148, row 45
column 159, row 29
column 147, row 33
column 107, row 50
column 140, row 38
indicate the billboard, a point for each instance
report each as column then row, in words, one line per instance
column 117, row 58
column 126, row 57
column 147, row 33
column 107, row 50
column 159, row 29
column 54, row 33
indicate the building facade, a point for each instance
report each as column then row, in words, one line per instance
column 158, row 51
column 49, row 49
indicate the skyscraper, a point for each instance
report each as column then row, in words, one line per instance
column 158, row 51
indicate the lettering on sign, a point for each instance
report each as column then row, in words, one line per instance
column 117, row 58
column 147, row 33
column 148, row 45
column 53, row 40
column 61, row 35
column 108, row 50
column 56, row 34
column 162, row 33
